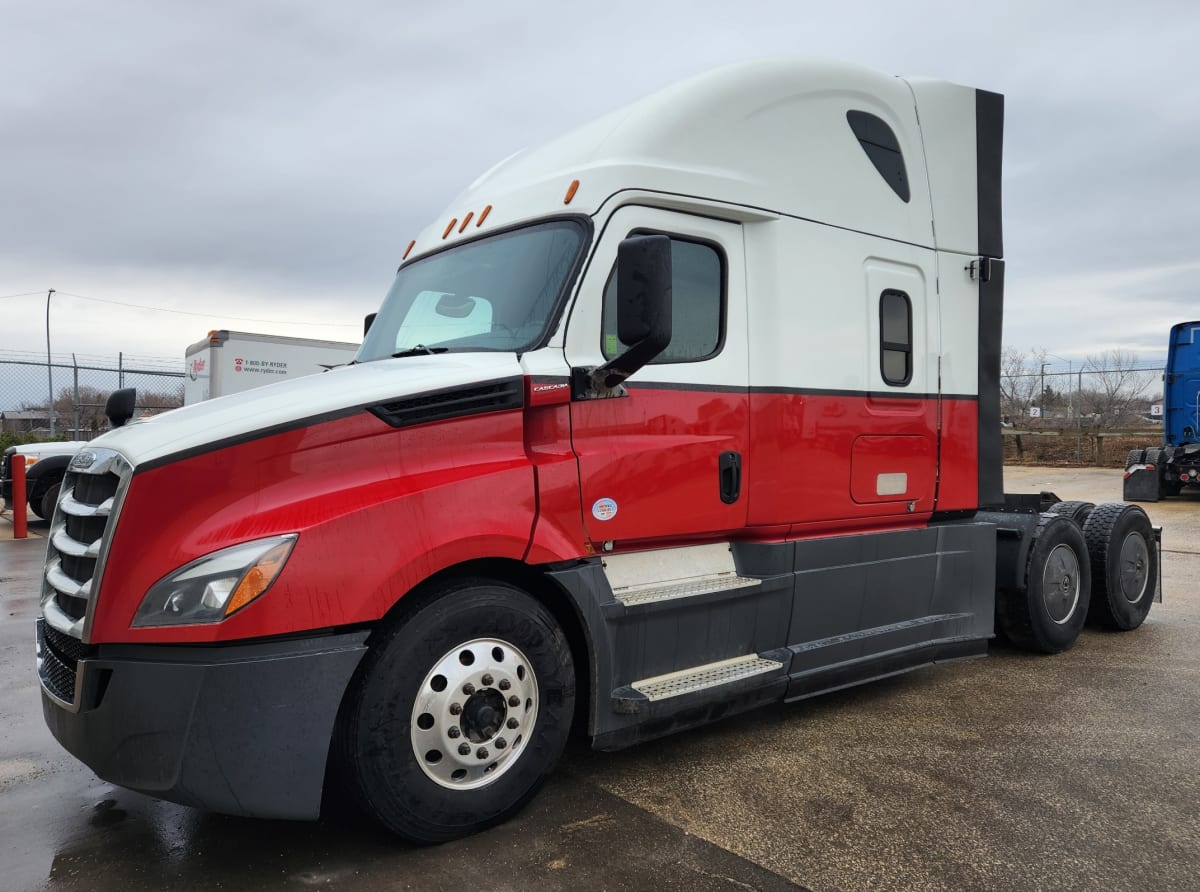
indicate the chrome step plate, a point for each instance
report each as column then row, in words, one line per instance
column 699, row 678
column 650, row 576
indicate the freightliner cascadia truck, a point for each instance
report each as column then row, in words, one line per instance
column 1151, row 474
column 692, row 410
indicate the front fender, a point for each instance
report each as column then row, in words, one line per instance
column 43, row 474
column 377, row 510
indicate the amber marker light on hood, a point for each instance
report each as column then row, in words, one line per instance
column 483, row 216
column 450, row 226
column 466, row 220
column 571, row 190
column 408, row 250
column 259, row 577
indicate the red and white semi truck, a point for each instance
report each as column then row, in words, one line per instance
column 691, row 410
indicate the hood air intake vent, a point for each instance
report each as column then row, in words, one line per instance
column 475, row 399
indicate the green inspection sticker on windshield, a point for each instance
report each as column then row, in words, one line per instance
column 610, row 344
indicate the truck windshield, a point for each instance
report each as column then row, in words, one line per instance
column 497, row 294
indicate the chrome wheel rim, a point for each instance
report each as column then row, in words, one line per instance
column 474, row 714
column 1134, row 567
column 1060, row 583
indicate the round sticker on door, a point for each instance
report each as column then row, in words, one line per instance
column 604, row 509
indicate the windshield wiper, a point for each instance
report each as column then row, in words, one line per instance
column 420, row 350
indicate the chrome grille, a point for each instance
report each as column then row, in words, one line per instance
column 58, row 657
column 92, row 491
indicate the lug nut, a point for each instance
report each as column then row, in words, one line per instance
column 468, row 689
column 501, row 743
column 454, row 732
column 513, row 723
column 505, row 684
column 455, row 709
column 464, row 749
column 482, row 752
column 514, row 700
column 487, row 680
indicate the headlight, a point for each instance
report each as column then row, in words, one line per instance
column 215, row 586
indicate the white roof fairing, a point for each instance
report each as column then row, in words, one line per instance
column 770, row 135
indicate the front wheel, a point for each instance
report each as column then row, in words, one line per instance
column 49, row 502
column 459, row 711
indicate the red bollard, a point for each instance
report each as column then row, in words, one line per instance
column 20, row 521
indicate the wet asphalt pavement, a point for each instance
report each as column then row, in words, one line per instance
column 1078, row 771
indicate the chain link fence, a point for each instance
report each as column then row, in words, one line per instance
column 1085, row 416
column 80, row 388
column 1080, row 416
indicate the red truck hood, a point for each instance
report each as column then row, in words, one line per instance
column 290, row 402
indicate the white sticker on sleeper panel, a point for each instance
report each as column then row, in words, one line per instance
column 891, row 484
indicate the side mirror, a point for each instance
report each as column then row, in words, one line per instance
column 643, row 306
column 120, row 406
column 368, row 320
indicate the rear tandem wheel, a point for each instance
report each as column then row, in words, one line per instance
column 1049, row 613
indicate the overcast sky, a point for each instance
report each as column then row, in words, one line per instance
column 264, row 163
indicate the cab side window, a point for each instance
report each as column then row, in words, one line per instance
column 697, row 304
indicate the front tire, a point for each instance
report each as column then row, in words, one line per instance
column 49, row 502
column 459, row 711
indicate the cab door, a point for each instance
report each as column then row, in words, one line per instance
column 666, row 460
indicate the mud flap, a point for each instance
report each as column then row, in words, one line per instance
column 1142, row 484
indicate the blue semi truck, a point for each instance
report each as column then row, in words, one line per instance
column 1158, row 471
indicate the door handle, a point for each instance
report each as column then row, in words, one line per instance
column 730, row 472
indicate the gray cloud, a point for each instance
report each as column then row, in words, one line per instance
column 272, row 159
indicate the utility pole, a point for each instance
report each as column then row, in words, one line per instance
column 1043, row 400
column 49, row 367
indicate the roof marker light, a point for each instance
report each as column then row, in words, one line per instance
column 408, row 250
column 466, row 220
column 450, row 226
column 571, row 191
column 487, row 210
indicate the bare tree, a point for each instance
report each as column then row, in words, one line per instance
column 1020, row 383
column 1116, row 388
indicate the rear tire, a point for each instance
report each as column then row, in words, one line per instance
column 1076, row 511
column 460, row 709
column 1124, row 559
column 1047, row 616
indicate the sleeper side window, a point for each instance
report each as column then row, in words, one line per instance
column 882, row 147
column 697, row 304
column 895, row 338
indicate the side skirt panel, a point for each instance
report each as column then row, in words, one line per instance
column 828, row 613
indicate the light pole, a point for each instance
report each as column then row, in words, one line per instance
column 1070, row 400
column 49, row 367
column 1042, row 413
column 1070, row 369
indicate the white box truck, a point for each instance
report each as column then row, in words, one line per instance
column 225, row 362
column 228, row 362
